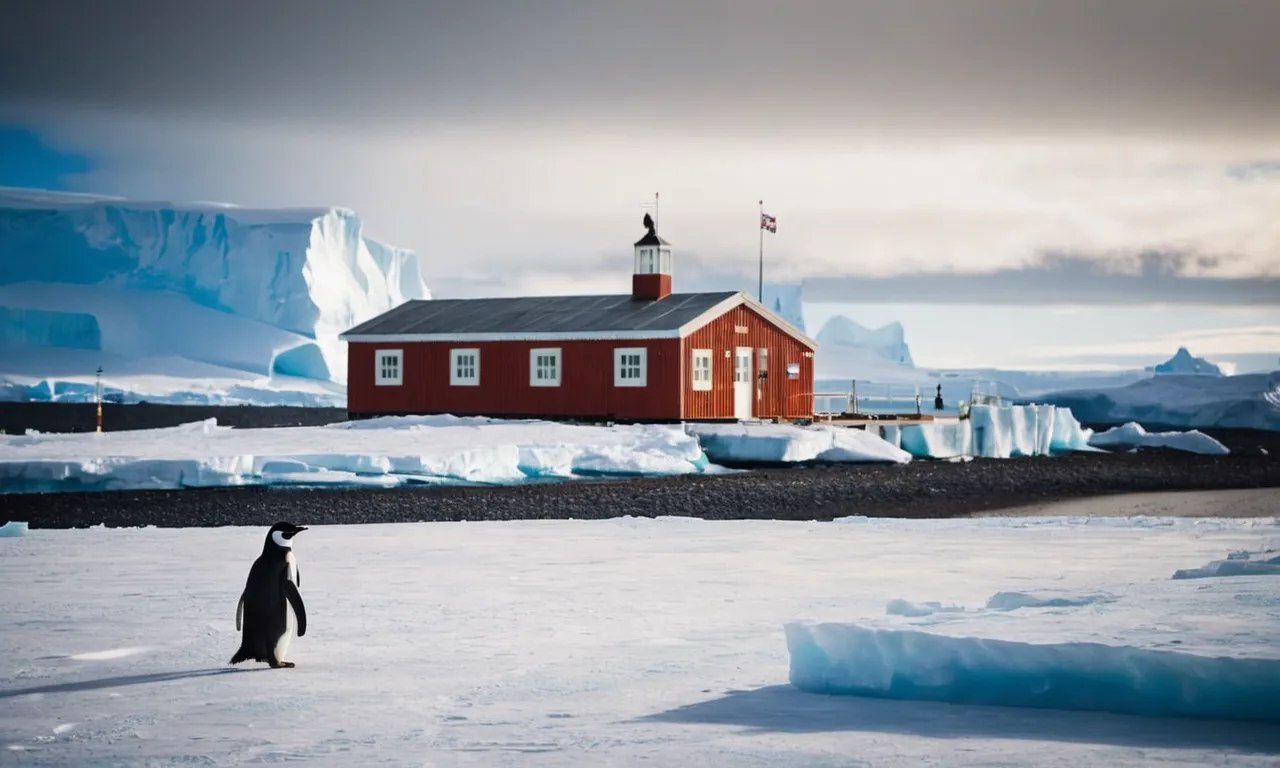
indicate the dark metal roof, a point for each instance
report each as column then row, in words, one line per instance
column 541, row 314
column 651, row 238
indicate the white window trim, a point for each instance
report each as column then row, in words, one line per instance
column 534, row 381
column 643, row 380
column 463, row 381
column 701, row 386
column 388, row 381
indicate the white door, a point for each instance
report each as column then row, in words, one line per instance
column 743, row 386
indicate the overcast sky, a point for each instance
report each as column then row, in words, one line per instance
column 1072, row 152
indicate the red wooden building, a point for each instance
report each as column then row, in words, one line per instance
column 652, row 355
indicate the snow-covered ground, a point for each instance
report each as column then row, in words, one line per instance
column 619, row 642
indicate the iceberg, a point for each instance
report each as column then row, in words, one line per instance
column 1183, row 362
column 178, row 300
column 1182, row 401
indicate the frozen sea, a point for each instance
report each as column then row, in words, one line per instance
column 617, row 642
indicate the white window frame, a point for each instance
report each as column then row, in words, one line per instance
column 762, row 363
column 380, row 377
column 701, row 384
column 456, row 377
column 620, row 370
column 558, row 370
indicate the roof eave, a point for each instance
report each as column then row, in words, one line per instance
column 739, row 299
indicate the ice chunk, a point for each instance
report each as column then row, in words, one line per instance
column 1265, row 563
column 1012, row 601
column 1132, row 435
column 12, row 530
column 785, row 443
column 997, row 432
column 848, row 659
column 900, row 607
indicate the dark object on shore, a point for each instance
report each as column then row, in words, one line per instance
column 921, row 489
column 17, row 418
column 938, row 403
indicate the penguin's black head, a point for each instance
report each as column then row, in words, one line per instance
column 281, row 534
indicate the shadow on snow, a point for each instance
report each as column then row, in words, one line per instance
column 785, row 709
column 123, row 680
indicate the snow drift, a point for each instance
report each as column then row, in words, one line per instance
column 143, row 284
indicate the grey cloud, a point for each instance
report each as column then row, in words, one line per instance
column 1060, row 280
column 940, row 66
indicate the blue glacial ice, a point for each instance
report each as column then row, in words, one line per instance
column 848, row 659
column 182, row 302
column 994, row 431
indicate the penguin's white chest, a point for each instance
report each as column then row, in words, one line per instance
column 290, row 621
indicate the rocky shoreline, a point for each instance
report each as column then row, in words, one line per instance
column 921, row 489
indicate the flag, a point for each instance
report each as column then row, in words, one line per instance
column 768, row 222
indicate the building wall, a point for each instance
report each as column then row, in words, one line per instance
column 776, row 395
column 586, row 388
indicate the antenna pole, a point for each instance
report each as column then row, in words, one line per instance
column 655, row 211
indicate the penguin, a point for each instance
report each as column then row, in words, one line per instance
column 270, row 607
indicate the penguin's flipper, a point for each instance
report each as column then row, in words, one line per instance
column 240, row 613
column 297, row 574
column 299, row 611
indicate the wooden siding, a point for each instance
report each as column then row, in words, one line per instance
column 586, row 388
column 775, row 396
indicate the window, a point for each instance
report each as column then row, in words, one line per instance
column 544, row 367
column 630, row 367
column 388, row 367
column 701, row 370
column 762, row 363
column 464, row 367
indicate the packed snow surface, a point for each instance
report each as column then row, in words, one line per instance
column 616, row 642
column 381, row 452
column 1132, row 435
column 179, row 302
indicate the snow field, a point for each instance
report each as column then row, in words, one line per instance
column 613, row 642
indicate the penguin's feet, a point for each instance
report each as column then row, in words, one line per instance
column 282, row 665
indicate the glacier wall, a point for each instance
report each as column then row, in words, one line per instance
column 309, row 272
column 40, row 327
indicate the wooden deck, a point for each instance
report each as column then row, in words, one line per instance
column 863, row 420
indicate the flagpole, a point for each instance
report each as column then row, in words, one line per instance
column 655, row 211
column 760, row 223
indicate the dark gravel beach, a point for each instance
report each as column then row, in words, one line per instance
column 921, row 489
